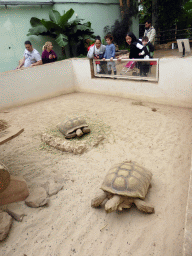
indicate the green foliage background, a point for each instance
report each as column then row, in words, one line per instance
column 68, row 34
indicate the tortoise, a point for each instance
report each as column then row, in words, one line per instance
column 73, row 127
column 125, row 183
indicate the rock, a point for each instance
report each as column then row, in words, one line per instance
column 54, row 188
column 17, row 190
column 5, row 224
column 79, row 148
column 44, row 185
column 37, row 198
column 63, row 145
column 15, row 211
column 98, row 140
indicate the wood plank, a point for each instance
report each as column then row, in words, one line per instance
column 9, row 134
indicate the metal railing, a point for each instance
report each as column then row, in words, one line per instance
column 172, row 35
column 169, row 35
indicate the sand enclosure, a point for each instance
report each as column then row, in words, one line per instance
column 159, row 140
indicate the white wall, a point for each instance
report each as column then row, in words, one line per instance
column 174, row 86
column 32, row 84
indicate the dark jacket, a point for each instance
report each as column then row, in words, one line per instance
column 135, row 48
column 148, row 50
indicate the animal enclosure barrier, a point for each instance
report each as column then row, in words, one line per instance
column 136, row 69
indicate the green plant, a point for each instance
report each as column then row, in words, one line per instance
column 70, row 35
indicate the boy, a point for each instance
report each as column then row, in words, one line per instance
column 147, row 53
column 110, row 54
column 148, row 48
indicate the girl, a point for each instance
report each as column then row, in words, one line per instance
column 135, row 46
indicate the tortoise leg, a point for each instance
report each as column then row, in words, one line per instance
column 70, row 135
column 113, row 203
column 86, row 129
column 98, row 200
column 143, row 206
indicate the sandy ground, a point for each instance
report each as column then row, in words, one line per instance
column 160, row 141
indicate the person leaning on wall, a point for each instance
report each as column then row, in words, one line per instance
column 48, row 55
column 31, row 56
column 150, row 31
column 96, row 51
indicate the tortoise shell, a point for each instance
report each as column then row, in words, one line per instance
column 71, row 125
column 127, row 179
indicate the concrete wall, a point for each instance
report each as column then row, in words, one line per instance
column 32, row 84
column 19, row 87
column 174, row 86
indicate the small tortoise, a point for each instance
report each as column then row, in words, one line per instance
column 73, row 127
column 125, row 183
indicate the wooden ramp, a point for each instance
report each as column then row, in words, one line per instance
column 9, row 134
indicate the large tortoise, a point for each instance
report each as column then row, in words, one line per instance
column 125, row 183
column 73, row 127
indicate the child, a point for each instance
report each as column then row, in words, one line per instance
column 96, row 51
column 147, row 53
column 148, row 48
column 110, row 54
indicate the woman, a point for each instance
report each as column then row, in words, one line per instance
column 135, row 50
column 97, row 52
column 48, row 55
column 135, row 46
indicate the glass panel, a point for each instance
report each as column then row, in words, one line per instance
column 138, row 69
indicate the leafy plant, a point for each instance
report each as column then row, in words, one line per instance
column 70, row 35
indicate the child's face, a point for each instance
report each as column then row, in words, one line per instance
column 98, row 44
column 144, row 42
column 108, row 41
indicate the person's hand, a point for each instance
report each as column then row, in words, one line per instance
column 103, row 59
column 111, row 59
column 54, row 56
column 50, row 56
column 139, row 54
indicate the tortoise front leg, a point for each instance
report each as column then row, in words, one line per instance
column 143, row 206
column 98, row 200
